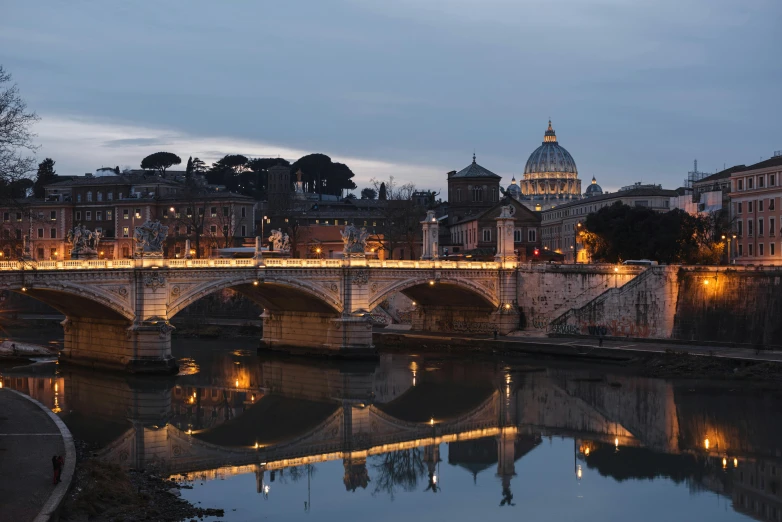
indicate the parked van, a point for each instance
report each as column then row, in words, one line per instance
column 640, row 262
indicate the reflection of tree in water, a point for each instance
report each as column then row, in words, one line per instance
column 294, row 473
column 356, row 474
column 398, row 469
column 507, row 497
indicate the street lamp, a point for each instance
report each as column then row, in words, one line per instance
column 733, row 236
column 576, row 230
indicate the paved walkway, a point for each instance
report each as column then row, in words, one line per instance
column 28, row 439
column 591, row 346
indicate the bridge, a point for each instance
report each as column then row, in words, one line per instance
column 118, row 312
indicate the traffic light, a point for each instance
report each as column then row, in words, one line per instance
column 536, row 252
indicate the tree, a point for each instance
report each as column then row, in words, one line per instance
column 620, row 232
column 323, row 176
column 45, row 176
column 350, row 196
column 368, row 193
column 160, row 161
column 15, row 137
column 391, row 190
column 382, row 192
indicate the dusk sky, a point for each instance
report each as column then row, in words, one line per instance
column 410, row 88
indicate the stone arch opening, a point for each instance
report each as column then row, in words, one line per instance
column 75, row 303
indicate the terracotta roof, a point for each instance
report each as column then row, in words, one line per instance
column 721, row 174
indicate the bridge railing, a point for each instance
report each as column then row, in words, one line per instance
column 103, row 264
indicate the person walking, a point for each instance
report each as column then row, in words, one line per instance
column 56, row 468
column 61, row 464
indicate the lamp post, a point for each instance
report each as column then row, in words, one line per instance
column 730, row 252
column 576, row 229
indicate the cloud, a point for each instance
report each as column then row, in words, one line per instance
column 81, row 144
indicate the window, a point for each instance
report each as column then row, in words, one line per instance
column 532, row 236
column 749, row 207
column 771, row 249
column 125, row 233
column 100, row 196
column 225, row 230
column 477, row 194
column 40, row 233
column 125, row 213
column 213, row 212
column 772, row 180
column 225, row 211
column 53, row 215
column 642, row 203
column 18, row 216
column 109, row 215
column 760, row 226
column 517, row 235
column 201, row 211
column 125, row 251
column 53, row 253
column 771, row 204
column 740, row 184
column 78, row 198
column 189, row 212
column 244, row 230
column 749, row 185
column 771, row 228
column 110, row 196
column 760, row 181
column 750, row 249
column 18, row 234
column 738, row 207
column 493, row 195
column 98, row 215
column 78, row 215
column 120, row 195
column 739, row 228
column 458, row 194
column 760, row 249
column 6, row 216
column 741, row 250
column 760, row 205
column 244, row 211
column 53, row 233
column 88, row 215
column 189, row 230
column 486, row 234
column 40, row 253
column 89, row 196
column 138, row 213
column 749, row 227
column 213, row 229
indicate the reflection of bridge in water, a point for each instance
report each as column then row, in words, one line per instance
column 240, row 416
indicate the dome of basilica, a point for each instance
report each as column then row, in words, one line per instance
column 593, row 189
column 550, row 157
column 513, row 189
column 550, row 172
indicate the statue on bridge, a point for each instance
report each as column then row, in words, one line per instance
column 280, row 242
column 354, row 240
column 149, row 239
column 84, row 242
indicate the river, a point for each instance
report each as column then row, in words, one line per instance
column 423, row 437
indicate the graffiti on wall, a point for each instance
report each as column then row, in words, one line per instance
column 466, row 326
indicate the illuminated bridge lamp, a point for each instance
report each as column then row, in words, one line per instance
column 724, row 462
column 616, row 269
column 431, row 282
column 255, row 283
column 24, row 289
column 616, row 442
column 706, row 282
column 706, row 443
column 431, row 421
column 257, row 445
column 237, row 383
column 735, row 462
column 507, row 306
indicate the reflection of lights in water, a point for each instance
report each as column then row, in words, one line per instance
column 706, row 443
column 431, row 421
column 735, row 462
column 257, row 445
column 189, row 432
column 56, row 387
column 266, row 489
column 1, row 383
column 434, row 479
column 616, row 442
column 187, row 366
column 586, row 452
column 579, row 472
column 252, row 398
column 237, row 383
column 724, row 462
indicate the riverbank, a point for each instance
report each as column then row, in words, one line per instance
column 106, row 493
column 649, row 359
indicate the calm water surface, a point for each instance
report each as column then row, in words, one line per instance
column 427, row 438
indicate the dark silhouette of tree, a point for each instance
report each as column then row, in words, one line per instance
column 15, row 137
column 323, row 176
column 381, row 193
column 620, row 232
column 160, row 161
column 368, row 193
column 351, row 196
column 46, row 175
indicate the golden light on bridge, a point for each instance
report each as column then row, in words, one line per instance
column 579, row 472
column 431, row 282
column 586, row 452
column 616, row 442
column 735, row 462
column 724, row 462
column 706, row 443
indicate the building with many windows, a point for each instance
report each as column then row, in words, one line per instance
column 755, row 199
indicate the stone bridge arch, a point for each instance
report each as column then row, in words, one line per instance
column 469, row 292
column 276, row 294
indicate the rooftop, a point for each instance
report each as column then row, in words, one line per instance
column 775, row 161
column 723, row 174
column 638, row 192
column 473, row 170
